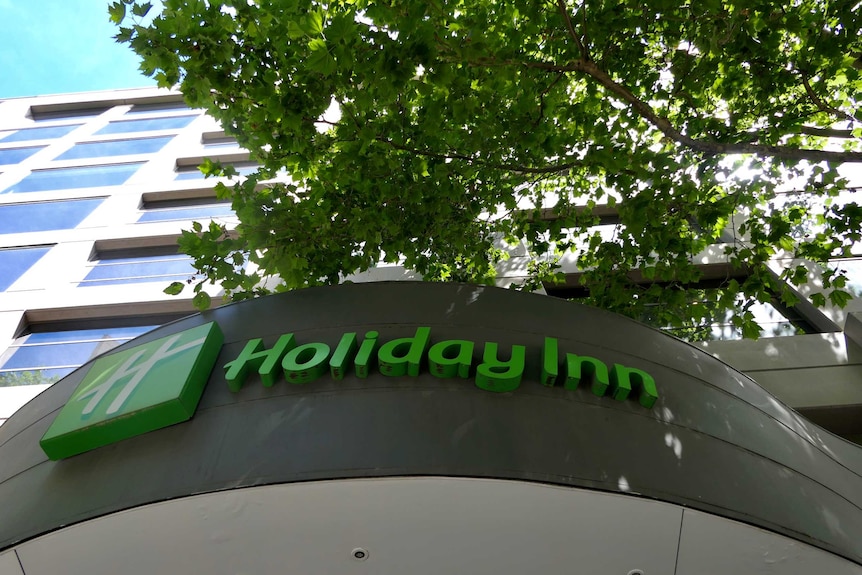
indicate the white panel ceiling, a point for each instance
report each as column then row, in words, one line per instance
column 417, row 526
column 711, row 545
column 9, row 564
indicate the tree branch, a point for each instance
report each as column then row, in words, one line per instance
column 825, row 132
column 550, row 169
column 663, row 124
column 821, row 105
column 585, row 55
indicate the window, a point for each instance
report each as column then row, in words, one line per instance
column 70, row 178
column 220, row 143
column 48, row 132
column 128, row 126
column 15, row 261
column 853, row 269
column 39, row 217
column 44, row 356
column 775, row 319
column 139, row 265
column 51, row 113
column 218, row 139
column 150, row 108
column 115, row 148
column 212, row 210
column 193, row 173
column 15, row 155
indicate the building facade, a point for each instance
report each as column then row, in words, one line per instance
column 382, row 439
column 96, row 187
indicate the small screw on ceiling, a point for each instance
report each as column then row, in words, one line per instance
column 361, row 554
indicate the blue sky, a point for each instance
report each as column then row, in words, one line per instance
column 57, row 46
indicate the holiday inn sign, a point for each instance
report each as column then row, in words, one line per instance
column 159, row 383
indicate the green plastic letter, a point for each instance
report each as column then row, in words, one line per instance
column 580, row 367
column 253, row 356
column 550, row 361
column 346, row 348
column 363, row 356
column 496, row 375
column 450, row 358
column 622, row 378
column 305, row 363
column 404, row 355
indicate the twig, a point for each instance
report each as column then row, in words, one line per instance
column 571, row 28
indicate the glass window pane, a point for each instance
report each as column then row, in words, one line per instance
column 210, row 211
column 193, row 173
column 127, row 126
column 70, row 178
column 138, row 109
column 44, row 357
column 119, row 332
column 115, row 148
column 33, row 376
column 853, row 269
column 18, row 218
column 39, row 133
column 39, row 115
column 54, row 355
column 143, row 269
column 15, row 261
column 15, row 155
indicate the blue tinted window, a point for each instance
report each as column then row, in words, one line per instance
column 73, row 335
column 33, row 376
column 17, row 218
column 114, row 148
column 210, row 211
column 38, row 133
column 196, row 174
column 176, row 267
column 44, row 357
column 128, row 126
column 15, row 155
column 14, row 262
column 70, row 178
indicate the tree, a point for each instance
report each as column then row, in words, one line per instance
column 461, row 120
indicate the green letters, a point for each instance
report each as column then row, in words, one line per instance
column 496, row 375
column 621, row 384
column 584, row 367
column 446, row 359
column 346, row 347
column 264, row 361
column 404, row 355
column 450, row 358
column 305, row 363
column 550, row 361
column 363, row 356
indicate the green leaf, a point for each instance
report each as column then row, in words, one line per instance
column 312, row 23
column 201, row 301
column 117, row 12
column 141, row 10
column 175, row 288
column 295, row 31
column 321, row 61
column 839, row 298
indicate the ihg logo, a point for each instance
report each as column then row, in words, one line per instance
column 134, row 391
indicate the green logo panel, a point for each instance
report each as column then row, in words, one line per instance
column 135, row 391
